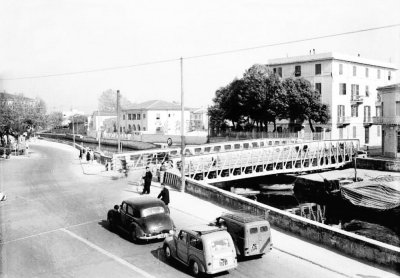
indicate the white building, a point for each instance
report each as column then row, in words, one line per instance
column 96, row 122
column 154, row 116
column 199, row 119
column 389, row 117
column 348, row 86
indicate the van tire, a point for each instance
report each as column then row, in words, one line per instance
column 195, row 269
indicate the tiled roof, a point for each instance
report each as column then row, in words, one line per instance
column 155, row 105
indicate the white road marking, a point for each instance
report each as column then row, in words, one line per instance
column 110, row 255
column 47, row 232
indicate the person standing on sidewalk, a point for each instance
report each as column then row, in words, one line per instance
column 164, row 194
column 147, row 181
column 163, row 168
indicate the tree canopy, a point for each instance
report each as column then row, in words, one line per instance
column 261, row 97
column 108, row 101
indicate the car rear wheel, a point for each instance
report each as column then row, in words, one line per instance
column 110, row 222
column 167, row 252
column 195, row 269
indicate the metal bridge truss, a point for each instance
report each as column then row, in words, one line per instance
column 246, row 163
column 141, row 159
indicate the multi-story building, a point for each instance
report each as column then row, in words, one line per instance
column 199, row 120
column 347, row 85
column 154, row 116
column 388, row 116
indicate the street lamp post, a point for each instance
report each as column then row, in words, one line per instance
column 73, row 130
column 182, row 132
column 118, row 125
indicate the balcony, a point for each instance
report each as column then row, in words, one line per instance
column 343, row 121
column 367, row 121
column 378, row 103
column 394, row 120
column 356, row 100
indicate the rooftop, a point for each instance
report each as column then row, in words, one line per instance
column 330, row 56
column 155, row 105
column 391, row 87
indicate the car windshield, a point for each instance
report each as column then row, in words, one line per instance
column 220, row 244
column 152, row 210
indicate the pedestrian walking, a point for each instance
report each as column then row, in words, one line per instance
column 87, row 156
column 164, row 195
column 163, row 168
column 147, row 181
column 91, row 156
column 80, row 154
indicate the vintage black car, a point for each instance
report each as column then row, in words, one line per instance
column 143, row 218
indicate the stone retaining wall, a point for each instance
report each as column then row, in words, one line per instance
column 348, row 243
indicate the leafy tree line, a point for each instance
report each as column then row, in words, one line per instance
column 261, row 97
column 19, row 115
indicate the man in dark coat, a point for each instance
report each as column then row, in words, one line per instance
column 147, row 181
column 164, row 194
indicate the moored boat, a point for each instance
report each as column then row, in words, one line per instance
column 277, row 186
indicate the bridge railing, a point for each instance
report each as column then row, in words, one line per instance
column 298, row 157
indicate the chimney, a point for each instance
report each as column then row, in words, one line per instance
column 310, row 51
column 313, row 51
column 358, row 54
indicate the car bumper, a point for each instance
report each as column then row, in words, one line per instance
column 158, row 236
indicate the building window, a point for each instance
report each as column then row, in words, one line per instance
column 138, row 116
column 123, row 116
column 342, row 88
column 297, row 71
column 354, row 70
column 318, row 87
column 144, row 128
column 317, row 69
column 134, row 127
column 138, row 127
column 366, row 72
column 354, row 110
column 129, row 127
column 355, row 91
column 378, row 73
column 397, row 108
column 354, row 132
column 120, row 129
column 133, row 116
column 366, row 135
column 389, row 75
column 378, row 111
column 169, row 115
column 367, row 114
column 144, row 116
column 378, row 131
column 340, row 69
column 340, row 133
column 366, row 90
column 157, row 116
column 341, row 111
column 129, row 117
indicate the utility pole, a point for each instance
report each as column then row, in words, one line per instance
column 73, row 130
column 118, row 126
column 182, row 132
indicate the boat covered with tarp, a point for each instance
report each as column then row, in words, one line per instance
column 381, row 193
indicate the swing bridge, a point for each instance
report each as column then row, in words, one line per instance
column 234, row 160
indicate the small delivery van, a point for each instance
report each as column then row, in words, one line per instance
column 250, row 234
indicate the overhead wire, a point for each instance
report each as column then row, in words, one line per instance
column 202, row 55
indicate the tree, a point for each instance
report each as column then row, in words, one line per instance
column 108, row 101
column 19, row 114
column 55, row 119
column 304, row 102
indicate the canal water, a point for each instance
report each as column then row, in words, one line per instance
column 319, row 206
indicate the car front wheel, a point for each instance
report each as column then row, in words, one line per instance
column 167, row 252
column 195, row 269
column 110, row 222
column 134, row 236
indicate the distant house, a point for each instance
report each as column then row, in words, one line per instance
column 199, row 120
column 388, row 116
column 154, row 116
column 11, row 98
column 97, row 119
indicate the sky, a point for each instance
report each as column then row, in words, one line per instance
column 46, row 37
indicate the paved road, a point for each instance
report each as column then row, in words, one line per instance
column 53, row 225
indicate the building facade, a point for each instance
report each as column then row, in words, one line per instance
column 348, row 85
column 154, row 116
column 199, row 120
column 388, row 116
